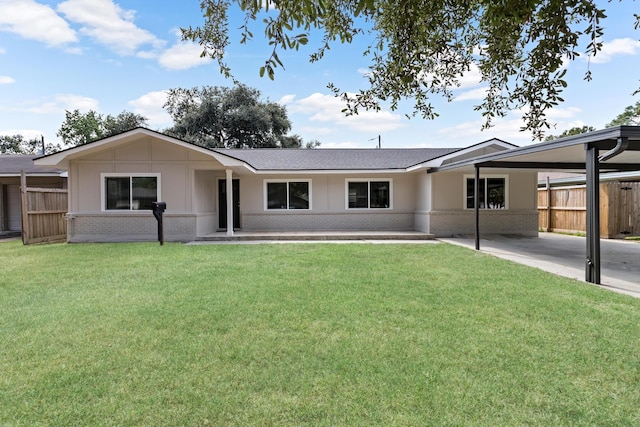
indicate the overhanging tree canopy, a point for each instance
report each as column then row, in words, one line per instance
column 235, row 117
column 420, row 48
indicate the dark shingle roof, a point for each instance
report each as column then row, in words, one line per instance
column 336, row 159
column 12, row 164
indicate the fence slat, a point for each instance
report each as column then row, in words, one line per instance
column 43, row 213
column 564, row 209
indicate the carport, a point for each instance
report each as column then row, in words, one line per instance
column 614, row 149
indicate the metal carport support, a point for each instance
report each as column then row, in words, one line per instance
column 592, row 261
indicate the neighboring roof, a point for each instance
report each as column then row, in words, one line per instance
column 278, row 159
column 14, row 164
column 560, row 179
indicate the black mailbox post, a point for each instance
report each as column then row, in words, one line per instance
column 158, row 208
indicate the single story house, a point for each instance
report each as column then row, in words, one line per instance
column 113, row 182
column 11, row 167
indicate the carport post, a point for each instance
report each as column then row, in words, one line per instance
column 592, row 262
column 476, row 204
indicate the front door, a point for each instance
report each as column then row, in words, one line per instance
column 222, row 203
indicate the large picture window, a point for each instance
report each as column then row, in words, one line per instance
column 369, row 194
column 288, row 195
column 130, row 192
column 492, row 192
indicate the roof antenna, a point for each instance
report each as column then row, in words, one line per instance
column 379, row 142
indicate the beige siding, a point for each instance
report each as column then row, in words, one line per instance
column 185, row 176
column 328, row 205
column 189, row 185
column 448, row 216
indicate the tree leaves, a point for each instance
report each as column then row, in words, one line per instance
column 419, row 49
column 81, row 128
column 221, row 117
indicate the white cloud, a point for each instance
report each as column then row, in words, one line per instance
column 563, row 113
column 287, row 99
column 471, row 132
column 182, row 56
column 508, row 129
column 35, row 21
column 150, row 105
column 328, row 109
column 473, row 94
column 60, row 103
column 108, row 24
column 5, row 80
column 2, row 51
column 471, row 78
column 626, row 46
column 347, row 144
column 316, row 130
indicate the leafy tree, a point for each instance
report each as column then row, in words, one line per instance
column 79, row 128
column 16, row 144
column 569, row 132
column 235, row 117
column 418, row 49
column 122, row 122
column 629, row 117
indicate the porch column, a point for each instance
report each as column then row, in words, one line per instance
column 592, row 261
column 229, row 202
column 476, row 204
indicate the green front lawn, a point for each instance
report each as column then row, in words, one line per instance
column 307, row 334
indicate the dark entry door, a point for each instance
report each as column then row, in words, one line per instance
column 222, row 203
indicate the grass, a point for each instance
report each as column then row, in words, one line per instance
column 318, row 335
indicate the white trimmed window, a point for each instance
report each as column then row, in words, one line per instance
column 369, row 193
column 130, row 192
column 283, row 194
column 493, row 189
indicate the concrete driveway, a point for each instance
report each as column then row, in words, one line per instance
column 565, row 255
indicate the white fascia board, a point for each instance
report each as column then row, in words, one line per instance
column 38, row 174
column 331, row 172
column 62, row 158
column 437, row 162
column 227, row 161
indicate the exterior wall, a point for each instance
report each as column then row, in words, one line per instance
column 328, row 205
column 448, row 217
column 184, row 186
column 129, row 227
column 431, row 203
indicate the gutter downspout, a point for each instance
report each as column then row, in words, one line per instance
column 623, row 143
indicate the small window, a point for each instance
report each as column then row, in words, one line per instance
column 130, row 192
column 492, row 192
column 288, row 195
column 369, row 194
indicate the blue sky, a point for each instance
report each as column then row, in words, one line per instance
column 115, row 55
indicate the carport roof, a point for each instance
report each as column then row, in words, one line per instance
column 568, row 154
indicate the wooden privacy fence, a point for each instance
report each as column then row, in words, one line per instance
column 564, row 209
column 43, row 213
